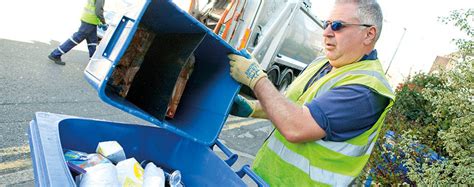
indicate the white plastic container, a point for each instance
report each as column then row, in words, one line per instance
column 130, row 172
column 154, row 176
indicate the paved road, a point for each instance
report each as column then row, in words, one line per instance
column 29, row 82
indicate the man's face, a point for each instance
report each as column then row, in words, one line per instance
column 346, row 45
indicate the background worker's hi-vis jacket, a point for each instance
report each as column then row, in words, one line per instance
column 323, row 163
column 88, row 14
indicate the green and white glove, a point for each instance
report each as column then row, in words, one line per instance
column 245, row 71
column 243, row 107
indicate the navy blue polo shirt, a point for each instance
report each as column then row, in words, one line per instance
column 345, row 112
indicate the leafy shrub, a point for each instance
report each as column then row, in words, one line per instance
column 433, row 121
column 432, row 147
column 412, row 105
column 453, row 111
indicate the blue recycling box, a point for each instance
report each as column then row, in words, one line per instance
column 50, row 133
column 206, row 101
column 136, row 68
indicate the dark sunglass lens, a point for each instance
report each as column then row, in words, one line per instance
column 336, row 25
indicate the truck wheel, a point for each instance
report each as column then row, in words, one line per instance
column 287, row 78
column 273, row 73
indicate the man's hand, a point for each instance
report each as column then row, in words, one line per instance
column 243, row 107
column 104, row 26
column 245, row 71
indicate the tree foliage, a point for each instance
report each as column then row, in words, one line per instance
column 431, row 125
column 462, row 19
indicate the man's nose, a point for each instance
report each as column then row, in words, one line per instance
column 328, row 32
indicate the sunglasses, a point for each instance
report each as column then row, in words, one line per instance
column 338, row 25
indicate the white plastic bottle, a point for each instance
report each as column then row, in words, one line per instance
column 154, row 176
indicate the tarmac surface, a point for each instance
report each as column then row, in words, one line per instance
column 30, row 82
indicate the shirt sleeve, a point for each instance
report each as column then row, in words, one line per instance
column 347, row 111
column 99, row 10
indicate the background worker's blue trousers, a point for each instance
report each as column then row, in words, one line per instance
column 86, row 31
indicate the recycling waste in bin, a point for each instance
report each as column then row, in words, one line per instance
column 160, row 64
column 50, row 133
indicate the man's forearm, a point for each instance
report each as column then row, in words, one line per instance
column 99, row 10
column 294, row 122
column 278, row 109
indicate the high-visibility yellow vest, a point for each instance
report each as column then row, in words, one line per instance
column 323, row 163
column 88, row 14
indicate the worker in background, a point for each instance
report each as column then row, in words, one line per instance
column 330, row 117
column 92, row 16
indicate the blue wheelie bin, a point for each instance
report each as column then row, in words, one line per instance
column 136, row 68
column 50, row 133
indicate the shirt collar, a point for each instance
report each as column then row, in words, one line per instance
column 371, row 56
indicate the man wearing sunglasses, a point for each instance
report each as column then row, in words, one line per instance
column 330, row 117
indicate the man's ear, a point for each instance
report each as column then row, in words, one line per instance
column 370, row 36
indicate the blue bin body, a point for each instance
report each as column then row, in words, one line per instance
column 209, row 92
column 50, row 133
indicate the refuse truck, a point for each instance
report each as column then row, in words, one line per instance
column 159, row 64
column 283, row 35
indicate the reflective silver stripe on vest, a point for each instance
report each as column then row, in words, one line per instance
column 89, row 11
column 302, row 163
column 329, row 84
column 349, row 149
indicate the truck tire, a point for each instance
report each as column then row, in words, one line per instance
column 285, row 81
column 273, row 74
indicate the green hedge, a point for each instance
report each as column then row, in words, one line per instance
column 436, row 111
column 433, row 112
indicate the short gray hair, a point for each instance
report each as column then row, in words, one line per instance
column 369, row 12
